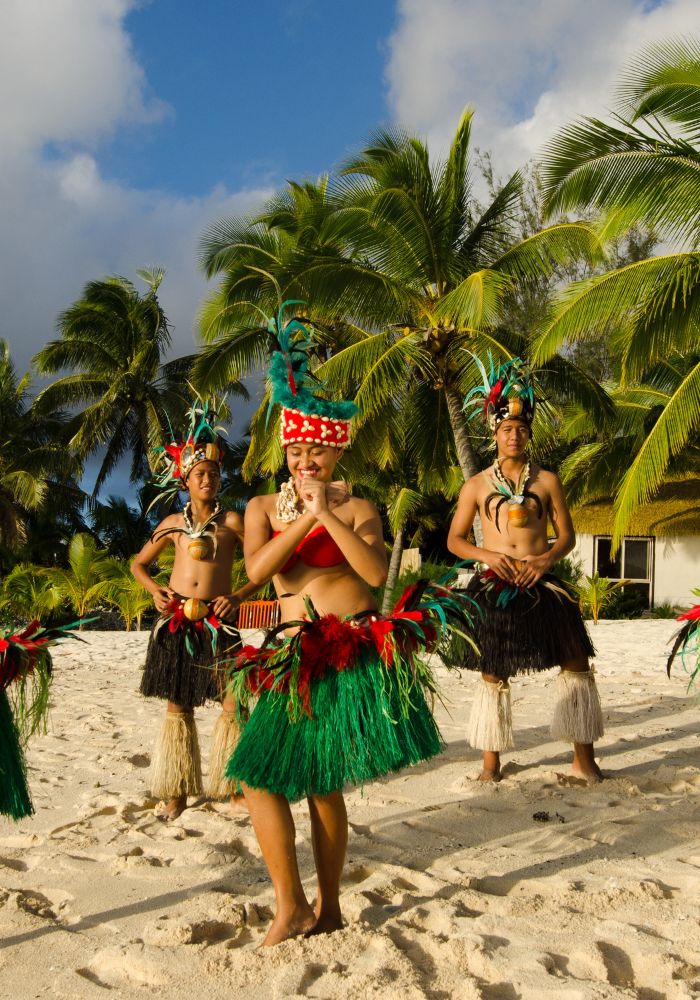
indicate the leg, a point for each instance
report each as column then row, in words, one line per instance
column 491, row 726
column 274, row 828
column 176, row 770
column 226, row 734
column 578, row 717
column 329, row 835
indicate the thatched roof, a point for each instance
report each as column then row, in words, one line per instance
column 674, row 512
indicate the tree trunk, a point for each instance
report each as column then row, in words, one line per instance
column 463, row 446
column 393, row 574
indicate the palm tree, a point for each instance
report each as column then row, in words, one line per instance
column 641, row 169
column 32, row 461
column 406, row 274
column 114, row 339
column 430, row 269
column 123, row 529
column 596, row 467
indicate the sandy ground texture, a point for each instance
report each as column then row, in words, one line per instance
column 535, row 888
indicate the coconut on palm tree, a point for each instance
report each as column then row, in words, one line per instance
column 643, row 168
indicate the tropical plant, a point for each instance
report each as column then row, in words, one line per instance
column 84, row 584
column 595, row 592
column 31, row 458
column 27, row 593
column 122, row 528
column 597, row 466
column 643, row 168
column 406, row 274
column 410, row 513
column 123, row 592
column 114, row 340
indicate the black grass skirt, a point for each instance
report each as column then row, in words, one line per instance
column 188, row 679
column 525, row 630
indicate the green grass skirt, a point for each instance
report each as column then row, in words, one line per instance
column 359, row 729
column 15, row 800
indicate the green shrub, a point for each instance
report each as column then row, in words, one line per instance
column 664, row 610
column 569, row 570
column 624, row 604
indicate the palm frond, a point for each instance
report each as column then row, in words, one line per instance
column 679, row 420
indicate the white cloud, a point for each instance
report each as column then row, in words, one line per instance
column 70, row 71
column 70, row 78
column 527, row 66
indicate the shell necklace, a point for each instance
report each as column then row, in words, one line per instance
column 514, row 494
column 203, row 534
column 287, row 509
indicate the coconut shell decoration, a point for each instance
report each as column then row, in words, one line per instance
column 194, row 609
column 198, row 549
column 517, row 515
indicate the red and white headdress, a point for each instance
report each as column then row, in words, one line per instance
column 306, row 417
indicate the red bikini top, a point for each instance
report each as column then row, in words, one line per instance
column 316, row 549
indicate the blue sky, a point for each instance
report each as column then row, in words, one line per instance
column 129, row 126
column 257, row 91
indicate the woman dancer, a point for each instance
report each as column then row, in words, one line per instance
column 341, row 700
column 25, row 681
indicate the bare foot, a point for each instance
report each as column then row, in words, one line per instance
column 299, row 922
column 584, row 765
column 491, row 771
column 239, row 805
column 166, row 812
column 489, row 774
column 326, row 924
column 591, row 773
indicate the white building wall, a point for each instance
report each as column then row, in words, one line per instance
column 676, row 569
column 676, row 566
column 583, row 553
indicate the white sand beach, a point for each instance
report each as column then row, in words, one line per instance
column 535, row 888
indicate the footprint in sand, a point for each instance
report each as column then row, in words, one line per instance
column 122, row 966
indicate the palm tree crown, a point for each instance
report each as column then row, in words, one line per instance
column 642, row 170
column 404, row 271
column 114, row 339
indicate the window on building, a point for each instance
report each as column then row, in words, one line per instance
column 634, row 561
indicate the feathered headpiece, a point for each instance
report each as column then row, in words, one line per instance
column 686, row 642
column 507, row 391
column 306, row 417
column 173, row 462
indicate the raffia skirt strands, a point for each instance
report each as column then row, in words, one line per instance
column 186, row 678
column 524, row 630
column 578, row 716
column 176, row 769
column 15, row 800
column 344, row 700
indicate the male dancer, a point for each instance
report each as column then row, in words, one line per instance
column 195, row 627
column 530, row 620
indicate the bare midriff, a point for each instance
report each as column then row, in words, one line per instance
column 333, row 590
